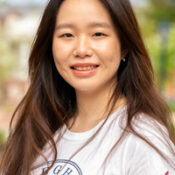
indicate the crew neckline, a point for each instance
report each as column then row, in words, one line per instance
column 69, row 135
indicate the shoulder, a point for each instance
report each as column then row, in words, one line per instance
column 152, row 131
column 149, row 154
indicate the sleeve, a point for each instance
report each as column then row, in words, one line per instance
column 146, row 161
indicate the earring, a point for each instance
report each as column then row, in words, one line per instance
column 123, row 59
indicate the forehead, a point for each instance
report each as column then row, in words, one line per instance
column 83, row 11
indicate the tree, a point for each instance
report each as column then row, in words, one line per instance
column 163, row 14
column 161, row 10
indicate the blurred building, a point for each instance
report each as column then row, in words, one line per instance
column 18, row 26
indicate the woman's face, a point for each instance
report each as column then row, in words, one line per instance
column 86, row 48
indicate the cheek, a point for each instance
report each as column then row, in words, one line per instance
column 109, row 48
column 57, row 56
column 58, row 50
column 110, row 54
column 61, row 49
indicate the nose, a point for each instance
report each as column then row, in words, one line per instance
column 82, row 48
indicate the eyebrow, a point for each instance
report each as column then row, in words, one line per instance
column 64, row 25
column 91, row 25
column 99, row 24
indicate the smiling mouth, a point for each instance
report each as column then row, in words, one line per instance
column 84, row 68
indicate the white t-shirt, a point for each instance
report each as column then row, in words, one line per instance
column 132, row 156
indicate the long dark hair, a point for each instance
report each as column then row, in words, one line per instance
column 50, row 102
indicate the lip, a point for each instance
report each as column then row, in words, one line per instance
column 84, row 65
column 84, row 73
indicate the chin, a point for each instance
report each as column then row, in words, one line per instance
column 86, row 89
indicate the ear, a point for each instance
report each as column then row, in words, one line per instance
column 124, row 53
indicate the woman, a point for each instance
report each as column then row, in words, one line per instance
column 91, row 107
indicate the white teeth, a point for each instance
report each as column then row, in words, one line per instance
column 84, row 68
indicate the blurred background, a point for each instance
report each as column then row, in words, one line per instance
column 19, row 20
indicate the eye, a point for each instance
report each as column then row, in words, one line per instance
column 99, row 34
column 66, row 35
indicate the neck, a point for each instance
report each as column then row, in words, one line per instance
column 93, row 107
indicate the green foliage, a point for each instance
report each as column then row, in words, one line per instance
column 172, row 106
column 174, row 132
column 158, row 12
column 2, row 137
column 161, row 10
column 171, row 49
column 7, row 58
column 150, row 19
column 153, row 44
column 160, row 15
